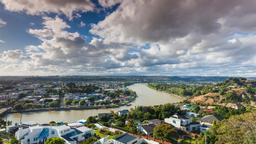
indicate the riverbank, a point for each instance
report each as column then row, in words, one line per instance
column 63, row 109
column 145, row 97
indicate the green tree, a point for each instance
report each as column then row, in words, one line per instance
column 82, row 102
column 165, row 132
column 55, row 140
column 14, row 141
column 90, row 140
column 239, row 129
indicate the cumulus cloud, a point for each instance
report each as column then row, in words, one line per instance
column 11, row 56
column 171, row 37
column 37, row 7
column 2, row 23
column 194, row 34
column 109, row 3
column 61, row 51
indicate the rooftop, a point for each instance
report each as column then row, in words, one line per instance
column 125, row 138
column 209, row 119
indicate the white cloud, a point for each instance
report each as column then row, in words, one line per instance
column 38, row 7
column 2, row 23
column 109, row 3
column 185, row 37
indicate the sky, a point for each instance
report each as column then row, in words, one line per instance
column 128, row 37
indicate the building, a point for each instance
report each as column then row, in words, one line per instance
column 105, row 115
column 112, row 141
column 146, row 129
column 127, row 139
column 39, row 134
column 191, row 114
column 178, row 121
column 193, row 127
column 155, row 121
column 123, row 112
column 207, row 121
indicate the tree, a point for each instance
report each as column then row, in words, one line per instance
column 14, row 141
column 90, row 140
column 55, row 140
column 165, row 132
column 91, row 119
column 82, row 102
column 237, row 129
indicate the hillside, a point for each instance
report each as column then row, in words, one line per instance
column 227, row 93
column 235, row 130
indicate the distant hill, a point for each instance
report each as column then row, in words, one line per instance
column 168, row 79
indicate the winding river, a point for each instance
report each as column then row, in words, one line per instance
column 146, row 97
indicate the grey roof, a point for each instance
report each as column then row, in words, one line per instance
column 155, row 121
column 126, row 138
column 180, row 116
column 209, row 119
column 148, row 128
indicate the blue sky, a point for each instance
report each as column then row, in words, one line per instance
column 128, row 37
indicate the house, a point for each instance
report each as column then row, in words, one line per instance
column 82, row 121
column 39, row 134
column 75, row 125
column 193, row 127
column 36, row 134
column 155, row 121
column 112, row 141
column 191, row 114
column 127, row 139
column 104, row 115
column 207, row 121
column 178, row 121
column 146, row 129
column 186, row 107
column 123, row 112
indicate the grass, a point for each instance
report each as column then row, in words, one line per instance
column 106, row 133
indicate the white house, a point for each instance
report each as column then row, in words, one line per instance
column 35, row 134
column 39, row 134
column 178, row 121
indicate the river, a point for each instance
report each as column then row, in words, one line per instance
column 146, row 97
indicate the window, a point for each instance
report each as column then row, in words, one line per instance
column 174, row 121
column 53, row 132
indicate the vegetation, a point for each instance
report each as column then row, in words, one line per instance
column 165, row 132
column 239, row 129
column 55, row 140
column 153, row 112
column 233, row 90
column 224, row 112
column 90, row 140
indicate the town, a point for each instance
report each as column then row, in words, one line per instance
column 204, row 112
column 123, row 127
column 18, row 96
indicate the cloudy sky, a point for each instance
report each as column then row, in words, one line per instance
column 128, row 37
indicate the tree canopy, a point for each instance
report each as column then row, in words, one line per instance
column 55, row 140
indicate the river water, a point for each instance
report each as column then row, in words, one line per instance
column 146, row 97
